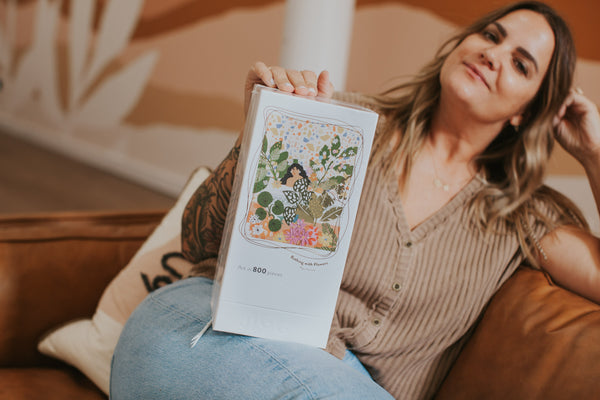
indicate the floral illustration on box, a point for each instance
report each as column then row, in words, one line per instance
column 303, row 180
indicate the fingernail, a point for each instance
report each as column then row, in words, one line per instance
column 312, row 91
column 287, row 86
column 271, row 82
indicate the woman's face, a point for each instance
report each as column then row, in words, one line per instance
column 495, row 73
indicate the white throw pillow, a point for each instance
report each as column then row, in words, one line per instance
column 88, row 344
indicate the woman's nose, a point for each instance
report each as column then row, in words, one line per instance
column 489, row 58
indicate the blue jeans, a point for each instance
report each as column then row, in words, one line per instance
column 154, row 360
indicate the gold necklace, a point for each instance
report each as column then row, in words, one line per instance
column 437, row 181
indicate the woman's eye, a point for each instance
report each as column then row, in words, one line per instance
column 520, row 66
column 489, row 35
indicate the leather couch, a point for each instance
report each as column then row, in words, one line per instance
column 535, row 340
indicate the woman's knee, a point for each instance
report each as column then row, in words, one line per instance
column 156, row 339
column 154, row 358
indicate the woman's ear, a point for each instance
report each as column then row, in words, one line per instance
column 516, row 121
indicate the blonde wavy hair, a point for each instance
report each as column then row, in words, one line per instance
column 513, row 165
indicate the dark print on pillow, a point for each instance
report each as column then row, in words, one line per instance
column 303, row 179
column 161, row 280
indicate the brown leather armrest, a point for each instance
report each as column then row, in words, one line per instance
column 535, row 341
column 54, row 267
column 46, row 384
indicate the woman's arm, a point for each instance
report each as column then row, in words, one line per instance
column 573, row 260
column 573, row 256
column 204, row 215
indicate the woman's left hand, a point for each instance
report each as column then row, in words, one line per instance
column 577, row 128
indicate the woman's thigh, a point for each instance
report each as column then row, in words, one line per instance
column 154, row 358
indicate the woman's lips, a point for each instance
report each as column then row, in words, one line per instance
column 476, row 74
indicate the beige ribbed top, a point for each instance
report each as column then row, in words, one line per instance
column 409, row 297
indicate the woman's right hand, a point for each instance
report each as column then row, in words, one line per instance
column 305, row 83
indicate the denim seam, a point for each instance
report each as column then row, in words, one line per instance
column 282, row 365
column 170, row 307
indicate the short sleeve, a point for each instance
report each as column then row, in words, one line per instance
column 550, row 209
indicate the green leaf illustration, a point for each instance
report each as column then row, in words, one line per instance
column 291, row 196
column 274, row 225
column 264, row 199
column 315, row 207
column 261, row 213
column 335, row 146
column 349, row 152
column 289, row 214
column 301, row 185
column 326, row 200
column 304, row 214
column 265, row 145
column 258, row 186
column 275, row 151
column 332, row 213
column 306, row 196
column 261, row 172
column 324, row 153
column 336, row 143
column 327, row 229
column 281, row 169
column 332, row 182
column 283, row 156
column 278, row 207
column 347, row 169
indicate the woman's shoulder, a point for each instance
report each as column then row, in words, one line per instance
column 554, row 208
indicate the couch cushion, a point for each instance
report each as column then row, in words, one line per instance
column 535, row 341
column 89, row 344
column 39, row 285
column 54, row 384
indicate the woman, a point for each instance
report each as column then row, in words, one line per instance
column 294, row 172
column 455, row 204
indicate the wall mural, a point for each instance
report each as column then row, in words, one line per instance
column 77, row 78
column 151, row 89
column 90, row 98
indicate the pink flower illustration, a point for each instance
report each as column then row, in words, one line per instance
column 302, row 234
